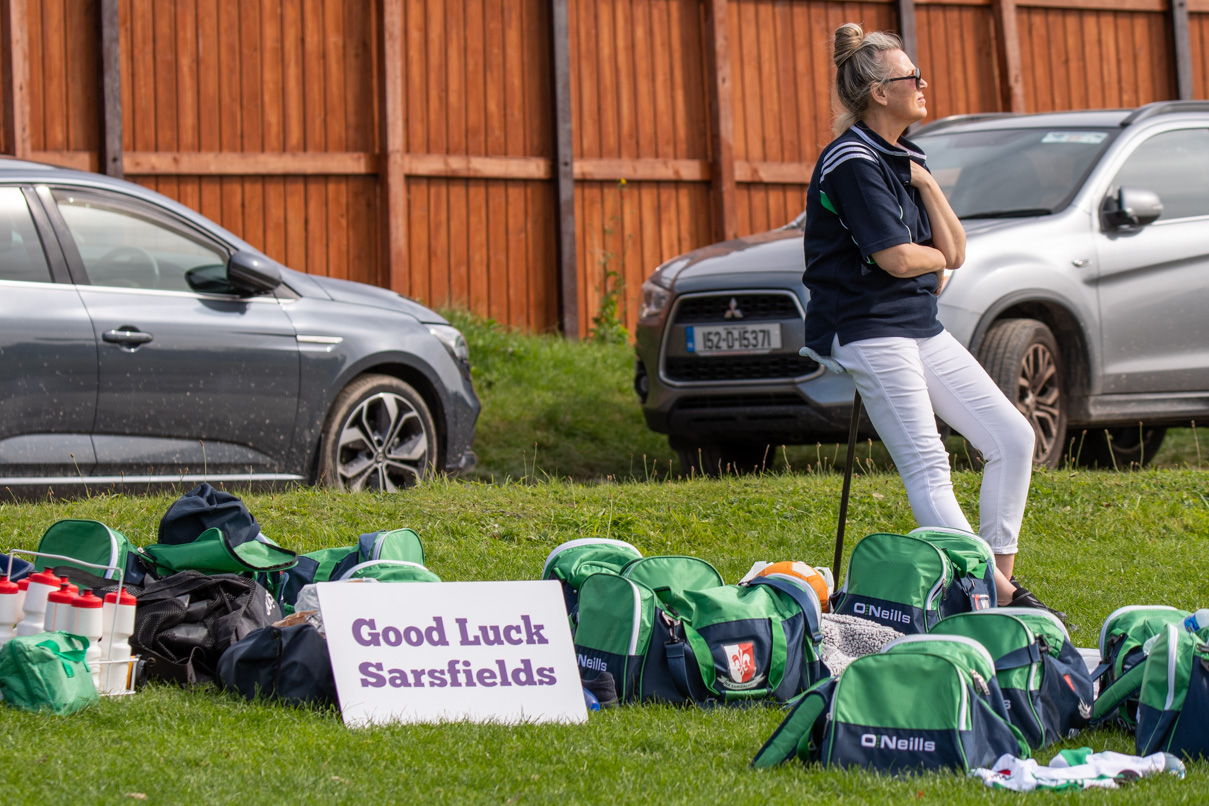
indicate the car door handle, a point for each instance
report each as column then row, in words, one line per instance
column 126, row 337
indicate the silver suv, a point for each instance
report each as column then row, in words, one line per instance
column 1084, row 295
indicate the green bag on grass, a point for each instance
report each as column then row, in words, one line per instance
column 212, row 552
column 46, row 672
column 1173, row 703
column 90, row 542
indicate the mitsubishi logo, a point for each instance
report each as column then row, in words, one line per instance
column 733, row 311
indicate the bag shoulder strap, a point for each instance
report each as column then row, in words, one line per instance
column 805, row 599
column 793, row 736
column 1122, row 688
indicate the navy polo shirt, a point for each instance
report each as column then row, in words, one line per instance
column 860, row 201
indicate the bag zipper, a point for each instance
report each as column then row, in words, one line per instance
column 959, row 639
column 368, row 563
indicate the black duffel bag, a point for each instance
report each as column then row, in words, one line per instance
column 185, row 622
column 286, row 664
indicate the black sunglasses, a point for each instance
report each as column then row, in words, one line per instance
column 916, row 77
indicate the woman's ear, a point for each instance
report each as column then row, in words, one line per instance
column 877, row 94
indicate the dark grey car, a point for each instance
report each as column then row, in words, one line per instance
column 142, row 343
column 1083, row 294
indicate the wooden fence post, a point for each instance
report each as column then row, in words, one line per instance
column 392, row 182
column 16, row 92
column 722, row 122
column 564, row 176
column 906, row 29
column 1182, row 49
column 1011, row 79
column 111, row 89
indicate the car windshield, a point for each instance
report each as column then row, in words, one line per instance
column 1011, row 173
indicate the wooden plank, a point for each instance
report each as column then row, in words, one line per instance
column 392, row 182
column 16, row 68
column 239, row 163
column 906, row 28
column 459, row 220
column 1007, row 49
column 335, row 104
column 1182, row 50
column 515, row 145
column 55, row 79
column 564, row 167
column 648, row 170
column 722, row 164
column 1097, row 5
column 786, row 173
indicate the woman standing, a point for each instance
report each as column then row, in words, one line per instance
column 880, row 241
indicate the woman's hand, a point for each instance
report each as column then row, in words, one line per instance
column 947, row 233
column 920, row 177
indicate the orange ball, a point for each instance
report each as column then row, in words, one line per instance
column 804, row 572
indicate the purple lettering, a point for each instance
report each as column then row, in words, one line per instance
column 359, row 626
column 370, row 677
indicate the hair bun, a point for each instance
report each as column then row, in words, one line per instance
column 848, row 39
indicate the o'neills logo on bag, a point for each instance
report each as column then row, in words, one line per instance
column 741, row 666
column 880, row 613
column 895, row 743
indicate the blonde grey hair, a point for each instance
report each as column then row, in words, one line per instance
column 858, row 67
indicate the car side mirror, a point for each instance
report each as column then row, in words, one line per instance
column 1131, row 208
column 251, row 274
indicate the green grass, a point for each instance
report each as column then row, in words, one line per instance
column 563, row 439
column 559, row 409
column 1091, row 542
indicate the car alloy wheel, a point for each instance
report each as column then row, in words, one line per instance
column 380, row 436
column 1021, row 356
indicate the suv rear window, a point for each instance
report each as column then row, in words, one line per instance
column 1013, row 172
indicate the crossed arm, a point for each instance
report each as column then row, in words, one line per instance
column 948, row 237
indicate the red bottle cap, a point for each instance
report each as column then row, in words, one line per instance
column 24, row 584
column 8, row 588
column 65, row 594
column 88, row 601
column 127, row 599
column 45, row 577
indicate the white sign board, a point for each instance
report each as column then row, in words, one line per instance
column 478, row 651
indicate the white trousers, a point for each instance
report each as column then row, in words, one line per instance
column 904, row 384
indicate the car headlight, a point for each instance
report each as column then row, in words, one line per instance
column 453, row 340
column 654, row 299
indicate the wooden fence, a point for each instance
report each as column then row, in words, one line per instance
column 525, row 157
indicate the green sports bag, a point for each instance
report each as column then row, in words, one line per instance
column 572, row 562
column 910, row 582
column 1173, row 703
column 90, row 542
column 47, row 672
column 723, row 644
column 1045, row 683
column 1123, row 649
column 923, row 703
column 379, row 551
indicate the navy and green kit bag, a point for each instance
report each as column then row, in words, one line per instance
column 910, row 582
column 1173, row 704
column 720, row 644
column 1045, row 683
column 92, row 542
column 388, row 552
column 572, row 562
column 1123, row 639
column 923, row 703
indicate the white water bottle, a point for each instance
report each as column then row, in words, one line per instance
column 41, row 585
column 87, row 623
column 10, row 611
column 1198, row 620
column 117, row 625
column 59, row 615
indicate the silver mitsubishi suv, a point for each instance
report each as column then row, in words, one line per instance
column 1085, row 294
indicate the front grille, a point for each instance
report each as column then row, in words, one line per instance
column 741, row 368
column 754, row 307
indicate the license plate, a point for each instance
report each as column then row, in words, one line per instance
column 732, row 339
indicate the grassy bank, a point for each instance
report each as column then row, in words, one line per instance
column 1092, row 542
column 559, row 409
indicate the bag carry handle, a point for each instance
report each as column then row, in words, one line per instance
column 1121, row 689
column 807, row 601
column 1024, row 656
column 66, row 657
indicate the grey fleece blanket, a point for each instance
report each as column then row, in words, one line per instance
column 848, row 637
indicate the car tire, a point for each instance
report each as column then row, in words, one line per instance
column 1022, row 357
column 716, row 459
column 379, row 435
column 1116, row 448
